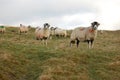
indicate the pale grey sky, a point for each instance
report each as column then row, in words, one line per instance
column 66, row 14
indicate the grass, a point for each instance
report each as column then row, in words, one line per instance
column 24, row 58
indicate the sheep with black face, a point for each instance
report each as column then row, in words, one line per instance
column 86, row 34
column 43, row 33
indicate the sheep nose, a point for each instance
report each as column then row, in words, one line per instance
column 95, row 27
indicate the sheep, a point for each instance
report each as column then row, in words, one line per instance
column 52, row 31
column 86, row 34
column 60, row 32
column 2, row 29
column 23, row 29
column 43, row 33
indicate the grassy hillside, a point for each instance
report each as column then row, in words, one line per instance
column 24, row 58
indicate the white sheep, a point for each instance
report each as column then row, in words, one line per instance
column 60, row 32
column 2, row 29
column 43, row 33
column 86, row 34
column 23, row 29
column 52, row 31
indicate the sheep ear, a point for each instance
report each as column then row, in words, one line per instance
column 44, row 25
column 92, row 24
column 55, row 28
column 98, row 23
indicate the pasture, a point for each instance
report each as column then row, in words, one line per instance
column 24, row 58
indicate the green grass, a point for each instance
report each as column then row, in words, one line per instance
column 24, row 58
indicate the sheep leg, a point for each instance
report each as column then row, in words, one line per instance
column 43, row 42
column 20, row 32
column 72, row 42
column 88, row 43
column 50, row 37
column 37, row 38
column 78, row 43
column 46, row 42
column 92, row 43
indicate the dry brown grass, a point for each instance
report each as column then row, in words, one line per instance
column 24, row 58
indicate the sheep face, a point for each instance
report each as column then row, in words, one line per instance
column 20, row 25
column 52, row 28
column 95, row 25
column 46, row 25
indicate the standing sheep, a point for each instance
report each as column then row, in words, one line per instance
column 60, row 32
column 2, row 29
column 23, row 29
column 43, row 33
column 86, row 34
column 52, row 32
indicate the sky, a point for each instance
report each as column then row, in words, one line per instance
column 66, row 14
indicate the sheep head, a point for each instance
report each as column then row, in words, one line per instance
column 95, row 25
column 52, row 28
column 46, row 25
column 55, row 28
column 21, row 25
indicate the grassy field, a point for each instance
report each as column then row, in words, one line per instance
column 24, row 58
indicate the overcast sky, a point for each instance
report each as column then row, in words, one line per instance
column 66, row 14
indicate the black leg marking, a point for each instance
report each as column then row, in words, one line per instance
column 45, row 38
column 72, row 42
column 88, row 41
column 91, row 42
column 37, row 38
column 78, row 42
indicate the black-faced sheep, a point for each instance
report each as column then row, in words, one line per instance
column 43, row 33
column 86, row 34
column 60, row 32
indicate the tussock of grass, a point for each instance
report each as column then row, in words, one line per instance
column 63, row 69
